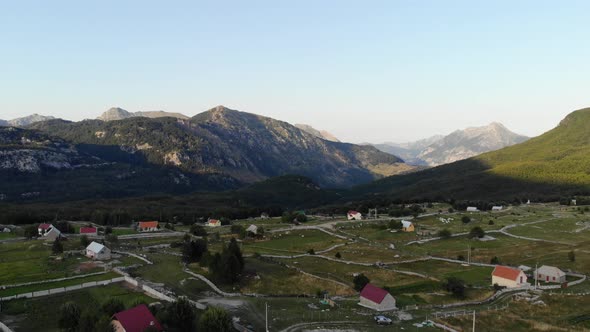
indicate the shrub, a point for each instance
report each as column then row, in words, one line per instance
column 445, row 233
column 476, row 232
column 360, row 281
column 466, row 219
column 495, row 260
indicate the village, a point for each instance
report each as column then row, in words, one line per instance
column 440, row 269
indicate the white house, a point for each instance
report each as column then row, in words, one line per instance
column 6, row 230
column 252, row 229
column 508, row 277
column 44, row 228
column 497, row 208
column 354, row 215
column 472, row 209
column 264, row 216
column 550, row 274
column 98, row 251
column 213, row 223
column 376, row 298
column 407, row 226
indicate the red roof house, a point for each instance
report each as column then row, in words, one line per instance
column 44, row 228
column 88, row 230
column 354, row 215
column 135, row 320
column 508, row 277
column 376, row 298
column 148, row 226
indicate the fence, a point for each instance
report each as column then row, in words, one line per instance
column 466, row 312
column 51, row 280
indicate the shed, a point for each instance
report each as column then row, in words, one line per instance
column 98, row 251
column 137, row 319
column 407, row 226
column 472, row 209
column 252, row 229
column 148, row 226
column 214, row 223
column 497, row 208
column 376, row 298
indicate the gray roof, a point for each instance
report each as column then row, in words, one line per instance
column 95, row 247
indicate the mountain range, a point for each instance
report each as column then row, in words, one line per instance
column 117, row 113
column 323, row 134
column 546, row 167
column 25, row 121
column 214, row 150
column 459, row 145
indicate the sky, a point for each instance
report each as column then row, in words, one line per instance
column 367, row 71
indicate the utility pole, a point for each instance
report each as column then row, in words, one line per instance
column 473, row 321
column 468, row 255
column 536, row 275
column 266, row 316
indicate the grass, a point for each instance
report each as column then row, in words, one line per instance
column 57, row 284
column 292, row 242
column 124, row 231
column 41, row 314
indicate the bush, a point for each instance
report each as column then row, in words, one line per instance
column 460, row 258
column 395, row 224
column 198, row 230
column 445, row 233
column 112, row 306
column 466, row 219
column 571, row 256
column 57, row 247
column 338, row 255
column 491, row 222
column 455, row 286
column 311, row 251
column 31, row 232
column 476, row 232
column 69, row 317
column 84, row 241
column 495, row 260
column 215, row 320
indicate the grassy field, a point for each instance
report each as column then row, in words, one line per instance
column 41, row 314
column 124, row 231
column 58, row 284
column 292, row 242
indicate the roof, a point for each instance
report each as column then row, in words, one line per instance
column 550, row 270
column 137, row 319
column 86, row 230
column 44, row 226
column 406, row 223
column 213, row 221
column 252, row 228
column 506, row 272
column 353, row 212
column 374, row 293
column 95, row 247
column 148, row 224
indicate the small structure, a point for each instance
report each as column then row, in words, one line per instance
column 6, row 230
column 550, row 274
column 376, row 298
column 98, row 251
column 524, row 268
column 472, row 209
column 407, row 226
column 214, row 223
column 508, row 277
column 497, row 208
column 264, row 216
column 137, row 319
column 148, row 226
column 44, row 228
column 90, row 231
column 354, row 215
column 252, row 229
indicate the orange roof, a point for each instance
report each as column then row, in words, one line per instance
column 213, row 221
column 506, row 272
column 148, row 224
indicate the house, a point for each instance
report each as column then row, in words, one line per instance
column 264, row 216
column 6, row 230
column 137, row 319
column 472, row 209
column 98, row 251
column 90, row 231
column 252, row 229
column 497, row 208
column 407, row 226
column 44, row 228
column 214, row 223
column 574, row 202
column 354, row 215
column 550, row 274
column 148, row 226
column 376, row 298
column 508, row 277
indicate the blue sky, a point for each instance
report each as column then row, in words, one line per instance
column 364, row 70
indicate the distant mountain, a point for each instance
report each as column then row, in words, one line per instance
column 239, row 145
column 117, row 113
column 546, row 167
column 25, row 121
column 409, row 151
column 318, row 133
column 459, row 145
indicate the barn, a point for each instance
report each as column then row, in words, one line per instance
column 376, row 298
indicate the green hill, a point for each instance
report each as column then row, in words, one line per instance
column 554, row 164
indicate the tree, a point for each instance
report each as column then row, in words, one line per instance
column 227, row 267
column 234, row 249
column 57, row 247
column 108, row 230
column 198, row 230
column 181, row 314
column 112, row 306
column 65, row 227
column 84, row 241
column 338, row 255
column 69, row 317
column 571, row 256
column 476, row 232
column 31, row 232
column 104, row 324
column 491, row 222
column 87, row 321
column 455, row 286
column 112, row 239
column 215, row 320
column 466, row 219
column 192, row 251
column 460, row 258
column 360, row 281
column 444, row 233
column 311, row 251
column 395, row 224
column 495, row 260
